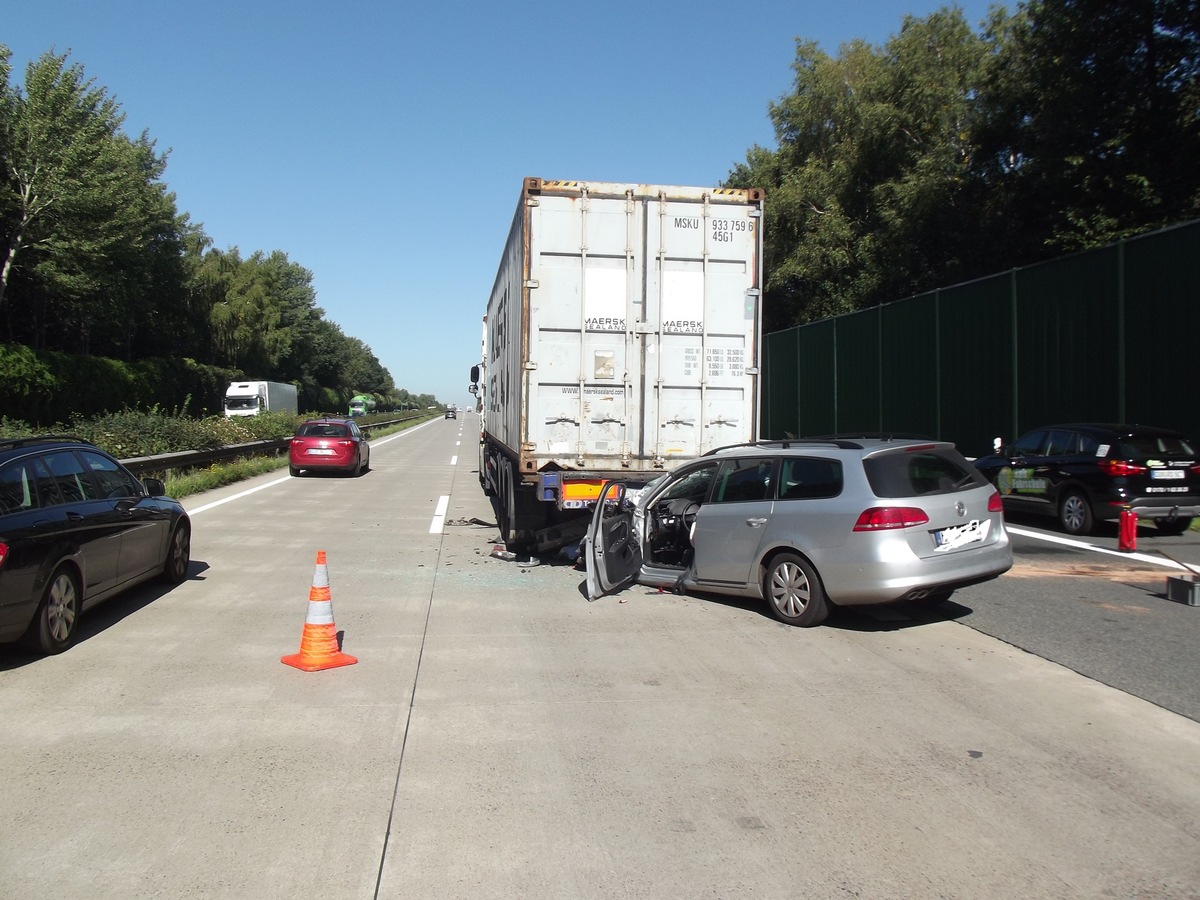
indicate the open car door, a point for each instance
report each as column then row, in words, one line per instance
column 614, row 553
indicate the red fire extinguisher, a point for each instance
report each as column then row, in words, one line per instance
column 1128, row 538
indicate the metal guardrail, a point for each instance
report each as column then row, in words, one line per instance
column 188, row 459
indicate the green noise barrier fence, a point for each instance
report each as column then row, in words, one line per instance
column 1109, row 335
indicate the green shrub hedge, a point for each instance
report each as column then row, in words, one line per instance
column 43, row 386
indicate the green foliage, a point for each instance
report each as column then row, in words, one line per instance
column 1091, row 124
column 47, row 386
column 128, row 434
column 25, row 378
column 947, row 154
column 97, row 265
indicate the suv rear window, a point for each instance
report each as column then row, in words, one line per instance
column 915, row 473
column 1140, row 446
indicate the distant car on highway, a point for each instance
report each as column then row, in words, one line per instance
column 337, row 444
column 450, row 413
column 1083, row 474
column 76, row 528
column 805, row 524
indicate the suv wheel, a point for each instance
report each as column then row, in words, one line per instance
column 1075, row 514
column 794, row 591
column 53, row 626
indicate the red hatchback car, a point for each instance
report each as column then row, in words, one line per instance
column 329, row 444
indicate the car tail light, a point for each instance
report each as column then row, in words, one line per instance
column 883, row 518
column 1118, row 467
column 3, row 553
column 994, row 503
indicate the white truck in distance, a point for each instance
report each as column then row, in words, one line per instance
column 249, row 398
column 622, row 337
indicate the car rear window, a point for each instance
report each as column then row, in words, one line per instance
column 804, row 478
column 322, row 430
column 916, row 473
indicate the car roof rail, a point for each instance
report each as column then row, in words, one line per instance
column 13, row 443
column 873, row 436
column 788, row 443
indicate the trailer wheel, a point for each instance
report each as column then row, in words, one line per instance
column 519, row 515
column 484, row 460
column 507, row 503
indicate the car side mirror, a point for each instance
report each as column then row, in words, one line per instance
column 154, row 487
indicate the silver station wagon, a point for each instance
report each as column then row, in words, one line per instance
column 804, row 524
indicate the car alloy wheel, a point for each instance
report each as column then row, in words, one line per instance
column 1075, row 514
column 53, row 626
column 794, row 591
column 179, row 554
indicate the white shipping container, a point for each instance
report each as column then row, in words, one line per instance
column 622, row 337
column 623, row 329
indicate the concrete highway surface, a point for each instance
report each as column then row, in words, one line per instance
column 501, row 737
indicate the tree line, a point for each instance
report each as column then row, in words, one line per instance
column 948, row 153
column 97, row 260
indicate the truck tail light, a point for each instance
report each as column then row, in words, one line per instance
column 1119, row 467
column 884, row 518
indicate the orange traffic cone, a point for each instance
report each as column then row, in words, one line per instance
column 318, row 643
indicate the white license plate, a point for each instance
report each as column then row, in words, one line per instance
column 1168, row 474
column 970, row 533
column 321, row 452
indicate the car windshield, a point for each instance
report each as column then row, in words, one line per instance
column 912, row 474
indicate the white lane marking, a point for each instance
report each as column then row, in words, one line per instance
column 456, row 443
column 439, row 515
column 1083, row 545
column 454, row 460
column 238, row 496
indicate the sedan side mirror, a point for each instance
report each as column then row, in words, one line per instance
column 154, row 487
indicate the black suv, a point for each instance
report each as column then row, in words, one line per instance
column 77, row 527
column 1083, row 474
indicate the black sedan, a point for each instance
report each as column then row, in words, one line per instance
column 77, row 527
column 1086, row 473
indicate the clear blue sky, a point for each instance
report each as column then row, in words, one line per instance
column 382, row 145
